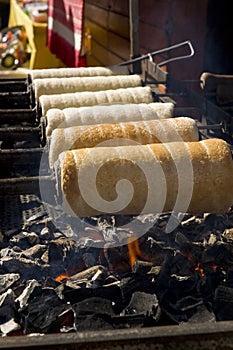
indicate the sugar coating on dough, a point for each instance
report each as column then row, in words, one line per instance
column 113, row 113
column 212, row 181
column 51, row 86
column 105, row 135
column 90, row 98
column 76, row 72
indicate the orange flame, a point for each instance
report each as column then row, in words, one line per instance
column 133, row 250
column 61, row 277
column 200, row 270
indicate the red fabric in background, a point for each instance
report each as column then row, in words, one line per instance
column 65, row 28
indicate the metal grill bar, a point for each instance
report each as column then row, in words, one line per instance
column 24, row 185
column 9, row 116
column 211, row 336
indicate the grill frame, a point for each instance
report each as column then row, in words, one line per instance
column 202, row 336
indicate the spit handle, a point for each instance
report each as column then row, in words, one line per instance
column 158, row 52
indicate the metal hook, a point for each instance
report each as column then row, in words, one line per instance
column 152, row 54
column 192, row 52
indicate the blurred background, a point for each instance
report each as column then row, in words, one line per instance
column 106, row 32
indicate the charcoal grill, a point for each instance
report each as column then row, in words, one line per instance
column 22, row 142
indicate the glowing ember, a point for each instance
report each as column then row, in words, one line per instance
column 61, row 277
column 200, row 270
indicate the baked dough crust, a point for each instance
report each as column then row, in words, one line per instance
column 105, row 135
column 52, row 86
column 116, row 113
column 77, row 72
column 212, row 183
column 92, row 98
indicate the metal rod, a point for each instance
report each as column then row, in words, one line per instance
column 18, row 115
column 158, row 52
column 201, row 336
column 210, row 127
column 134, row 34
column 19, row 133
column 23, row 156
column 23, row 185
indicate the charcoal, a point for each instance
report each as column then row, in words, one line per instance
column 90, row 237
column 143, row 304
column 37, row 217
column 46, row 234
column 141, row 311
column 110, row 291
column 32, row 289
column 41, row 314
column 62, row 249
column 187, row 303
column 65, row 322
column 8, row 322
column 36, row 226
column 228, row 234
column 58, row 235
column 7, row 280
column 117, row 259
column 8, row 319
column 93, row 322
column 220, row 254
column 128, row 321
column 9, row 326
column 78, row 292
column 136, row 283
column 73, row 294
column 10, row 252
column 25, row 240
column 176, row 287
column 223, row 303
column 142, row 267
column 25, row 267
column 80, row 282
column 155, row 270
column 7, row 298
column 91, row 274
column 153, row 251
column 215, row 222
column 95, row 305
column 89, row 259
column 34, row 252
column 10, row 233
column 202, row 315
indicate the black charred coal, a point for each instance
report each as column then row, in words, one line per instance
column 52, row 283
column 32, row 289
column 11, row 325
column 223, row 303
column 94, row 322
column 8, row 316
column 25, row 240
column 95, row 305
column 7, row 280
column 145, row 304
column 42, row 312
column 27, row 268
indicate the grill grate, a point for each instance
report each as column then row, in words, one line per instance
column 16, row 210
